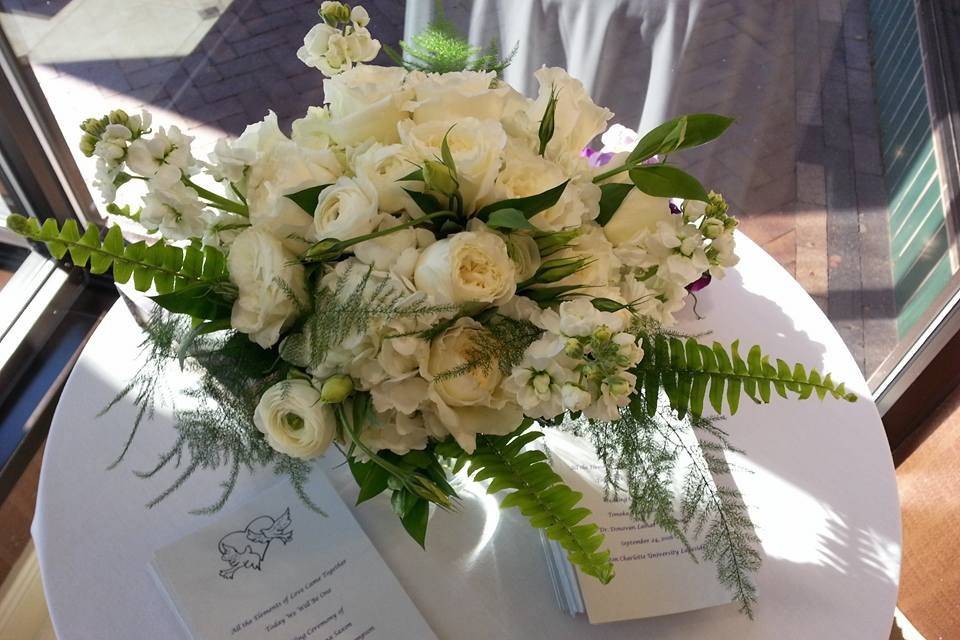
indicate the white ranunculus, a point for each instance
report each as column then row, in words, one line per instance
column 346, row 210
column 383, row 166
column 294, row 420
column 474, row 401
column 577, row 120
column 472, row 266
column 366, row 103
column 476, row 146
column 164, row 157
column 460, row 94
column 174, row 209
column 266, row 275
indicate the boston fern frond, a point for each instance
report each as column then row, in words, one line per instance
column 540, row 495
column 691, row 374
column 165, row 267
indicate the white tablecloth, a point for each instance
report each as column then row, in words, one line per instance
column 818, row 479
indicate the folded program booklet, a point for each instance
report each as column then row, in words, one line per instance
column 275, row 569
column 654, row 573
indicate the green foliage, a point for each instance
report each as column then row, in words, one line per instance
column 612, row 196
column 308, row 198
column 529, row 205
column 665, row 181
column 191, row 280
column 539, row 493
column 683, row 132
column 354, row 302
column 217, row 431
column 441, row 48
column 692, row 374
column 676, row 476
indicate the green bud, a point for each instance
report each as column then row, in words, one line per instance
column 730, row 223
column 608, row 305
column 550, row 243
column 336, row 388
column 326, row 249
column 334, row 12
column 573, row 349
column 428, row 490
column 118, row 116
column 589, row 371
column 602, row 333
column 555, row 270
column 87, row 144
column 440, row 178
column 93, row 126
column 617, row 386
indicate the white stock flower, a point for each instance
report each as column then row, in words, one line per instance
column 266, row 275
column 165, row 156
column 456, row 95
column 577, row 119
column 346, row 210
column 174, row 209
column 619, row 139
column 538, row 385
column 476, row 147
column 467, row 402
column 471, row 266
column 294, row 419
column 396, row 432
column 230, row 161
column 615, row 393
column 359, row 16
column 331, row 51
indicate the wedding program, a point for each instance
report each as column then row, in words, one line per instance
column 274, row 569
column 654, row 574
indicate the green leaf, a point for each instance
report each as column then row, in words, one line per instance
column 690, row 374
column 666, row 181
column 415, row 521
column 682, row 132
column 530, row 205
column 373, row 484
column 416, row 174
column 199, row 300
column 425, row 201
column 612, row 196
column 509, row 219
column 308, row 198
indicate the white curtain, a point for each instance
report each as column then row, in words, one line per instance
column 626, row 52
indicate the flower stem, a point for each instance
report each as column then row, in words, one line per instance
column 217, row 201
column 612, row 172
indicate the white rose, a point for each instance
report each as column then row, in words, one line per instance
column 476, row 146
column 345, row 210
column 638, row 214
column 266, row 275
column 383, row 166
column 577, row 120
column 525, row 173
column 389, row 251
column 456, row 95
column 365, row 102
column 472, row 266
column 472, row 402
column 294, row 420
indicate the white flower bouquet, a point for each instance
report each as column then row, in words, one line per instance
column 427, row 266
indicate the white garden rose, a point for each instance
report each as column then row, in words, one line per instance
column 471, row 266
column 345, row 210
column 525, row 173
column 366, row 103
column 577, row 120
column 400, row 248
column 456, row 95
column 294, row 419
column 266, row 275
column 383, row 166
column 476, row 146
column 470, row 402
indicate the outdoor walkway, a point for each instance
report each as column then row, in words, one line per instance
column 801, row 166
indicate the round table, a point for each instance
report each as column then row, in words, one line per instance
column 818, row 478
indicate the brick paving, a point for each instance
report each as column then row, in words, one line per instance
column 801, row 166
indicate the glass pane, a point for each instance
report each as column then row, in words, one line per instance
column 831, row 163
